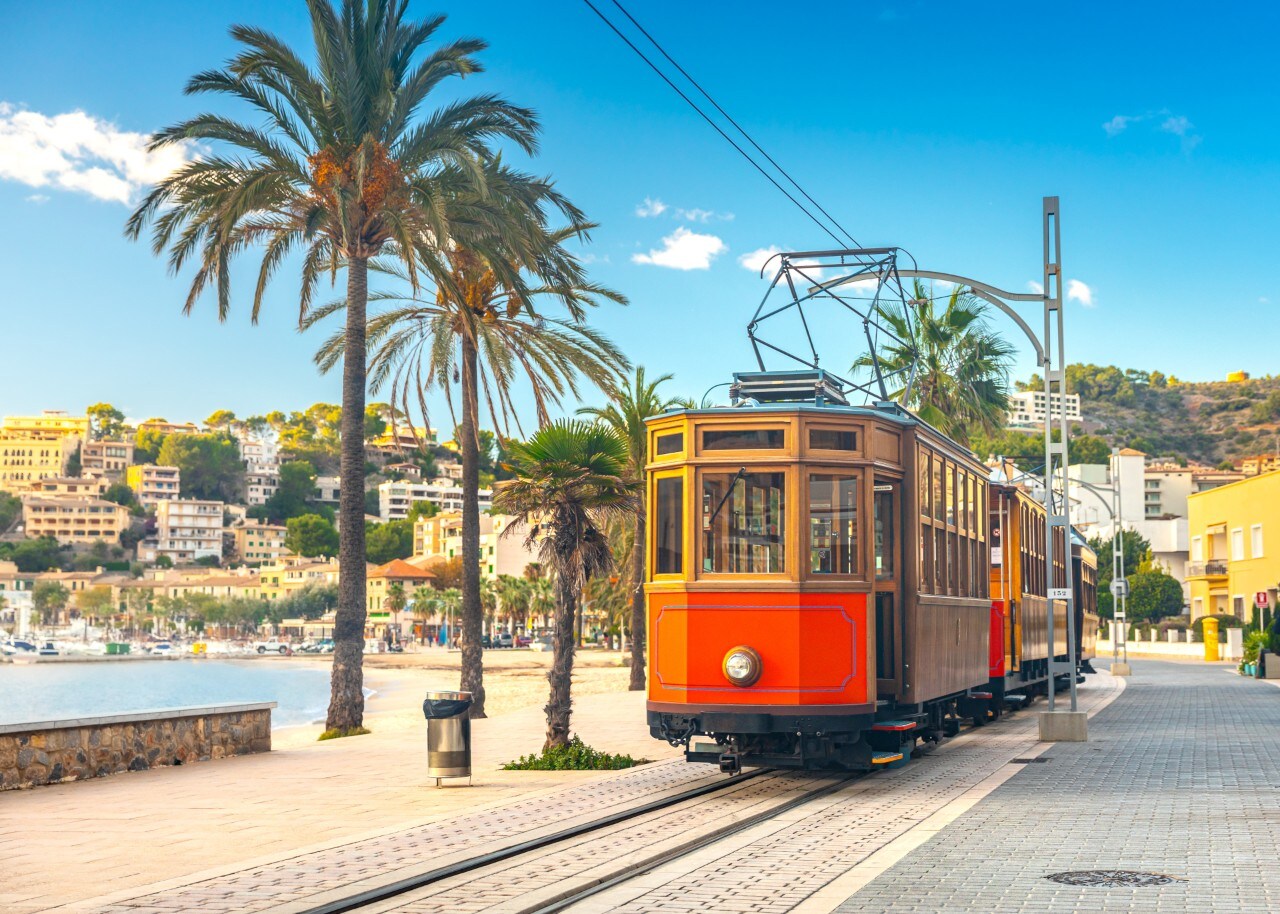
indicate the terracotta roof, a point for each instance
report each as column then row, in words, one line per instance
column 399, row 568
column 1130, row 452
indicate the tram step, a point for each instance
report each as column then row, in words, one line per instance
column 893, row 726
column 885, row 758
column 1015, row 698
column 985, row 696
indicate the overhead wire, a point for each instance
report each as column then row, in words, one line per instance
column 692, row 104
column 725, row 114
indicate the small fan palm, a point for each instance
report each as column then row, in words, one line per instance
column 343, row 162
column 961, row 365
column 626, row 415
column 570, row 478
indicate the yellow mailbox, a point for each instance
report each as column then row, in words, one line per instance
column 1210, row 639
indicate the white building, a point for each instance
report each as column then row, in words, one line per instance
column 1027, row 408
column 395, row 498
column 261, row 456
column 189, row 529
column 327, row 489
column 502, row 551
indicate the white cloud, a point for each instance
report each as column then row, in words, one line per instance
column 650, row 207
column 1178, row 126
column 1035, row 287
column 1117, row 124
column 755, row 260
column 1078, row 291
column 37, row 198
column 684, row 250
column 694, row 215
column 79, row 152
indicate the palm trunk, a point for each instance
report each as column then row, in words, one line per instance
column 472, row 611
column 346, row 698
column 561, row 674
column 639, row 624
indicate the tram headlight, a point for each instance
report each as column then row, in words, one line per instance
column 742, row 666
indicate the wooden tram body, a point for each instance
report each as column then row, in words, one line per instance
column 818, row 583
column 1085, row 583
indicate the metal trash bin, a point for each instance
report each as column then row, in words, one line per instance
column 448, row 735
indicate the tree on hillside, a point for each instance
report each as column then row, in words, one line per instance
column 147, row 443
column 389, row 540
column 294, row 493
column 94, row 603
column 570, row 479
column 344, row 161
column 10, row 511
column 40, row 554
column 120, row 494
column 222, row 420
column 209, row 464
column 961, row 365
column 311, row 535
column 632, row 405
column 105, row 422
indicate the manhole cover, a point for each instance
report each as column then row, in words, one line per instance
column 1112, row 878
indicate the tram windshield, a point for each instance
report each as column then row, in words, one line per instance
column 744, row 523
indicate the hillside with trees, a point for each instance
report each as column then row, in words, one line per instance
column 1207, row 422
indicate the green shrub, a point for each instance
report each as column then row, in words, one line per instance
column 1254, row 645
column 338, row 733
column 1225, row 620
column 576, row 756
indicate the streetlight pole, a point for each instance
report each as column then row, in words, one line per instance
column 1119, row 620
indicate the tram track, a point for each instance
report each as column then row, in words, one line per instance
column 432, row 889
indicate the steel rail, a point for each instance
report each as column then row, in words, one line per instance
column 420, row 880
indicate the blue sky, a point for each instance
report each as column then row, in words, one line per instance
column 934, row 126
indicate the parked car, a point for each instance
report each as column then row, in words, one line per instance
column 523, row 641
column 486, row 642
column 271, row 647
column 503, row 639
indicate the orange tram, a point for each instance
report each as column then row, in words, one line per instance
column 820, row 586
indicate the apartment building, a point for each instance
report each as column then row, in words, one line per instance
column 289, row 575
column 188, row 529
column 1165, row 488
column 327, row 489
column 395, row 498
column 74, row 520
column 25, row 460
column 79, row 486
column 261, row 457
column 1027, row 408
column 439, row 538
column 259, row 487
column 164, row 427
column 1234, row 560
column 51, row 425
column 108, row 459
column 258, row 543
column 1263, row 463
column 380, row 580
column 153, row 484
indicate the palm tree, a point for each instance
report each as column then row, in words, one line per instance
column 626, row 415
column 424, row 605
column 344, row 165
column 395, row 600
column 961, row 364
column 513, row 593
column 570, row 478
column 483, row 330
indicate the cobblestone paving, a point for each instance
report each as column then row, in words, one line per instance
column 267, row 887
column 568, row 864
column 778, row 871
column 1180, row 777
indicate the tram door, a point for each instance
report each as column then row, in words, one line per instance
column 888, row 591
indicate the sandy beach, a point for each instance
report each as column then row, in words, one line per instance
column 514, row 680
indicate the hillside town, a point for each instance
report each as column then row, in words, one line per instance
column 99, row 532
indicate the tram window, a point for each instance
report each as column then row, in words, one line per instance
column 951, row 494
column 923, row 484
column 825, row 439
column 938, row 507
column 833, row 523
column 669, row 444
column 744, row 439
column 744, row 523
column 669, row 527
column 885, row 529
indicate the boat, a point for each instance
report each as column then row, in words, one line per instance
column 49, row 649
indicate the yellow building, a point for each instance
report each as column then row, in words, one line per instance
column 74, row 520
column 279, row 579
column 1235, row 546
column 258, row 543
column 106, row 458
column 66, row 485
column 165, row 427
column 153, row 484
column 51, row 425
column 439, row 538
column 26, row 460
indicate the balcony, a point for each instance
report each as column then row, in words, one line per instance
column 1211, row 569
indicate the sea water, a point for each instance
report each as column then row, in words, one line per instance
column 55, row 691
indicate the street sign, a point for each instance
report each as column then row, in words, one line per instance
column 1120, row 587
column 1261, row 599
column 1059, row 593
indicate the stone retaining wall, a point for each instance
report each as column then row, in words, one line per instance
column 91, row 747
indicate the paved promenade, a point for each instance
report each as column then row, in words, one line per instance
column 1180, row 778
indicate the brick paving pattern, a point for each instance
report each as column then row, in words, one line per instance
column 1180, row 777
column 298, row 878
